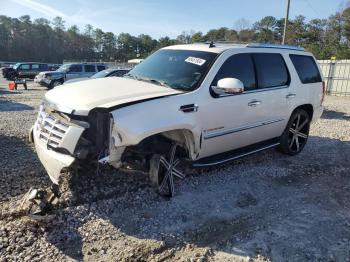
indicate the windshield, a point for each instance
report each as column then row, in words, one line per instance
column 63, row 68
column 16, row 66
column 178, row 69
column 101, row 74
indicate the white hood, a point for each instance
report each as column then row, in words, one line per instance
column 103, row 92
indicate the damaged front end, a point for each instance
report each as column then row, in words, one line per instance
column 62, row 138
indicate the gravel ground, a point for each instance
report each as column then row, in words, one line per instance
column 266, row 207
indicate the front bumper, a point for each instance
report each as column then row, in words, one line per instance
column 42, row 81
column 52, row 161
column 51, row 137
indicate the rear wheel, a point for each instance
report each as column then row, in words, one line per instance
column 296, row 133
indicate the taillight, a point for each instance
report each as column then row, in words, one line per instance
column 323, row 91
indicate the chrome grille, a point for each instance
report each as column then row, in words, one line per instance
column 51, row 130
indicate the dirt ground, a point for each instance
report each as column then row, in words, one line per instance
column 265, row 207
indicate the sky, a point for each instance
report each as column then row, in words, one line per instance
column 165, row 17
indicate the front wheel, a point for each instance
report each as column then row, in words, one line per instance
column 54, row 84
column 296, row 133
column 163, row 169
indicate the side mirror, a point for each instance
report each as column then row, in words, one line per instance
column 228, row 86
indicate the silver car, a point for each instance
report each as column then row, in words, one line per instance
column 51, row 79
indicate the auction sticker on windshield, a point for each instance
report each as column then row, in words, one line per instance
column 195, row 60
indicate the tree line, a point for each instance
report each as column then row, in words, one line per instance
column 41, row 40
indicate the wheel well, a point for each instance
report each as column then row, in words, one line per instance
column 160, row 143
column 308, row 108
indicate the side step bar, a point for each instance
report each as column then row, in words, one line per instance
column 235, row 154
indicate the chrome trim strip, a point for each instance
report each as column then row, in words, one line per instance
column 235, row 130
column 265, row 89
column 254, row 91
column 236, row 157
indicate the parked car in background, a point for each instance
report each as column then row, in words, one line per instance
column 54, row 67
column 51, row 79
column 25, row 70
column 5, row 68
column 4, row 64
column 186, row 104
column 117, row 72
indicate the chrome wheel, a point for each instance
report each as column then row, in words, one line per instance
column 296, row 133
column 163, row 171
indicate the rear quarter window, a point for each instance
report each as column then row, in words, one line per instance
column 306, row 68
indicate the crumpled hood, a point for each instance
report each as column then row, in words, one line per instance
column 103, row 92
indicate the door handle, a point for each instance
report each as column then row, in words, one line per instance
column 189, row 108
column 290, row 96
column 254, row 103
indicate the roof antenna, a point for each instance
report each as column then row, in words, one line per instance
column 211, row 44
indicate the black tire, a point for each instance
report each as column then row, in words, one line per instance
column 54, row 83
column 295, row 135
column 11, row 76
column 163, row 169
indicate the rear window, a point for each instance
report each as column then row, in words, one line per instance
column 271, row 70
column 89, row 68
column 100, row 68
column 306, row 68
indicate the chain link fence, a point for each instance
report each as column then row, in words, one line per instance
column 337, row 76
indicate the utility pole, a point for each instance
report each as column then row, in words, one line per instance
column 285, row 23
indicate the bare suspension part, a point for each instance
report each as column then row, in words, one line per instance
column 39, row 202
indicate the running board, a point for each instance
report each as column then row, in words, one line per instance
column 235, row 154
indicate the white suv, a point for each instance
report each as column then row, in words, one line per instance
column 202, row 103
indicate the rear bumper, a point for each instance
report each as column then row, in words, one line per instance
column 317, row 113
column 52, row 161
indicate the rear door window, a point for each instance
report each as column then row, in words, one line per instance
column 306, row 68
column 271, row 70
column 35, row 66
column 238, row 66
column 89, row 68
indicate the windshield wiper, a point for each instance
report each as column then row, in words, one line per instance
column 158, row 82
column 154, row 81
column 132, row 76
